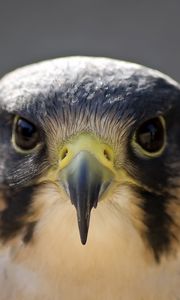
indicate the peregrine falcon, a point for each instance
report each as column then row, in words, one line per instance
column 89, row 182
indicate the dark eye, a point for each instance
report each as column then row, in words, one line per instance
column 151, row 135
column 26, row 136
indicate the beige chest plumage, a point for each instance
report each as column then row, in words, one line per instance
column 114, row 264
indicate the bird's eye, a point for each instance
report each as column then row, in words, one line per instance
column 150, row 136
column 25, row 134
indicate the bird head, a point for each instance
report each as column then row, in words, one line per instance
column 92, row 128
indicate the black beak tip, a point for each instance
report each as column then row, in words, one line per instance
column 83, row 230
column 83, row 241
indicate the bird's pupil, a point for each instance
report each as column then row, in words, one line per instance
column 26, row 135
column 150, row 135
column 25, row 129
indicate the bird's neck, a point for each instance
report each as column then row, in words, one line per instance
column 114, row 264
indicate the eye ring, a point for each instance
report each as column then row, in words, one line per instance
column 25, row 135
column 149, row 140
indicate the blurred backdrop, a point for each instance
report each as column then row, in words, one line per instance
column 142, row 31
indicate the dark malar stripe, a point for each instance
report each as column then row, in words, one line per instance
column 157, row 221
column 29, row 232
column 12, row 218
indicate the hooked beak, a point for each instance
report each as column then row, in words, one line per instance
column 85, row 180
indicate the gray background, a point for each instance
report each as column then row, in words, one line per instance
column 143, row 31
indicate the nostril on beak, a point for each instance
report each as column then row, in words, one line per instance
column 64, row 153
column 107, row 155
